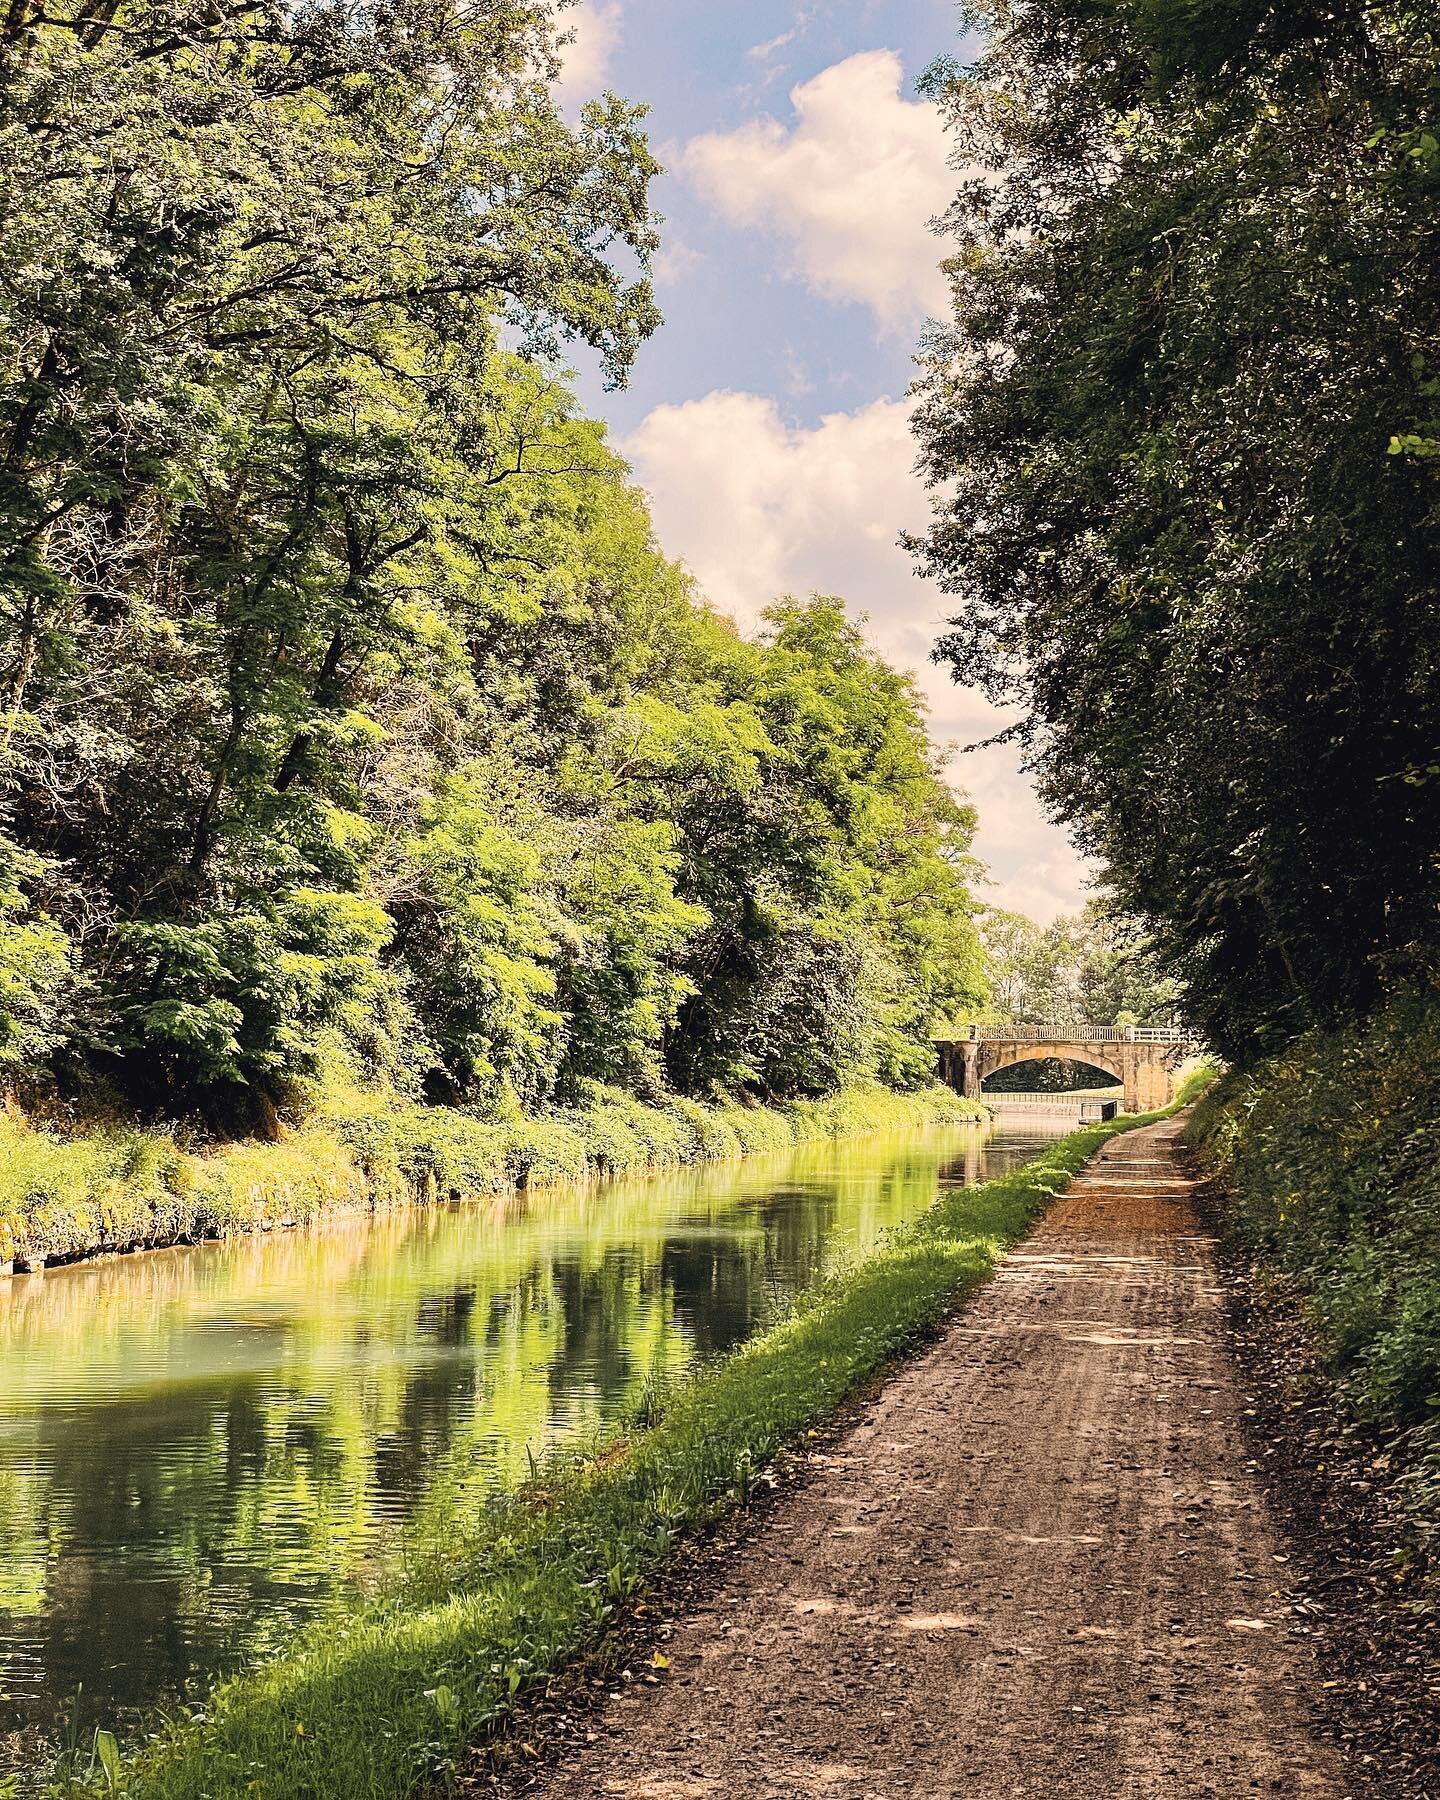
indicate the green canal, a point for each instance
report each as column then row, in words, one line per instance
column 202, row 1448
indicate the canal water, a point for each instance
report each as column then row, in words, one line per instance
column 202, row 1448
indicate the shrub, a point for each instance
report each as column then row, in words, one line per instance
column 63, row 1197
column 1330, row 1154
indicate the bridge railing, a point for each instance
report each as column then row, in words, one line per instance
column 1076, row 1034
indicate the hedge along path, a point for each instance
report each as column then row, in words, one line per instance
column 1038, row 1565
column 385, row 1703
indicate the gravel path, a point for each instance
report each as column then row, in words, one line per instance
column 1037, row 1565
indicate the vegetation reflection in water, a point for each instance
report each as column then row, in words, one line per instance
column 199, row 1447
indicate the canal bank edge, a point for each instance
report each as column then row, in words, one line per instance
column 495, row 1598
column 119, row 1189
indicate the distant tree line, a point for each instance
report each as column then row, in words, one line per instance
column 1096, row 968
column 1184, row 436
column 352, row 726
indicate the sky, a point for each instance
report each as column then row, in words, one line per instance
column 767, row 419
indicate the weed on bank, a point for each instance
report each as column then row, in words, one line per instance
column 66, row 1195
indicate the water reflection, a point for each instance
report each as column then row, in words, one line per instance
column 199, row 1447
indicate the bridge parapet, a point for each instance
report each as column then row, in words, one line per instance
column 1071, row 1034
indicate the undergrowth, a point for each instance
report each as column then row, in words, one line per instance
column 1199, row 1081
column 1329, row 1156
column 123, row 1188
column 498, row 1595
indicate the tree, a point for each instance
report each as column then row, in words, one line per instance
column 1098, row 968
column 1182, row 438
column 258, row 456
column 355, row 729
column 832, row 860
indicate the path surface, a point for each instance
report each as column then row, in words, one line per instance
column 1036, row 1566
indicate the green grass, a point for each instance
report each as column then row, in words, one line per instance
column 1199, row 1081
column 495, row 1597
column 69, row 1195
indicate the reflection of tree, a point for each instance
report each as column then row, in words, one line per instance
column 22, row 1532
column 228, row 1438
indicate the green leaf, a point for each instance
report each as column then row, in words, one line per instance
column 107, row 1752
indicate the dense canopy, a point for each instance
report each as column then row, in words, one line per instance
column 1183, row 437
column 354, row 727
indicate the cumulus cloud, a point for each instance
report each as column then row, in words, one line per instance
column 849, row 189
column 758, row 508
column 596, row 26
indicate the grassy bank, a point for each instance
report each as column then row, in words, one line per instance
column 1199, row 1081
column 1330, row 1158
column 63, row 1196
column 495, row 1597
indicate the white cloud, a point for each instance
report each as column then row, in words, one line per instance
column 797, row 379
column 758, row 508
column 763, row 53
column 675, row 260
column 771, row 47
column 850, row 189
column 597, row 26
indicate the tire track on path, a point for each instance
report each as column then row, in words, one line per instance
column 1037, row 1565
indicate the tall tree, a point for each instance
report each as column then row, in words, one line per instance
column 254, row 265
column 1182, row 435
column 355, row 729
column 1096, row 968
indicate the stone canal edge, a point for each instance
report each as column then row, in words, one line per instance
column 1036, row 1563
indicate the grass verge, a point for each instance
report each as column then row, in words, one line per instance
column 1199, row 1081
column 497, row 1598
column 67, row 1196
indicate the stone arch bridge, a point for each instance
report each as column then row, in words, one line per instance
column 1148, row 1060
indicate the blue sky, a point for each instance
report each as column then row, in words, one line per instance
column 768, row 418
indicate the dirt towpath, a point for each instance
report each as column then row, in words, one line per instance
column 1037, row 1565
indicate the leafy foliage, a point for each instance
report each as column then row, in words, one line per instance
column 36, row 971
column 1331, row 1157
column 353, row 725
column 1181, row 434
column 831, row 860
column 1097, row 969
